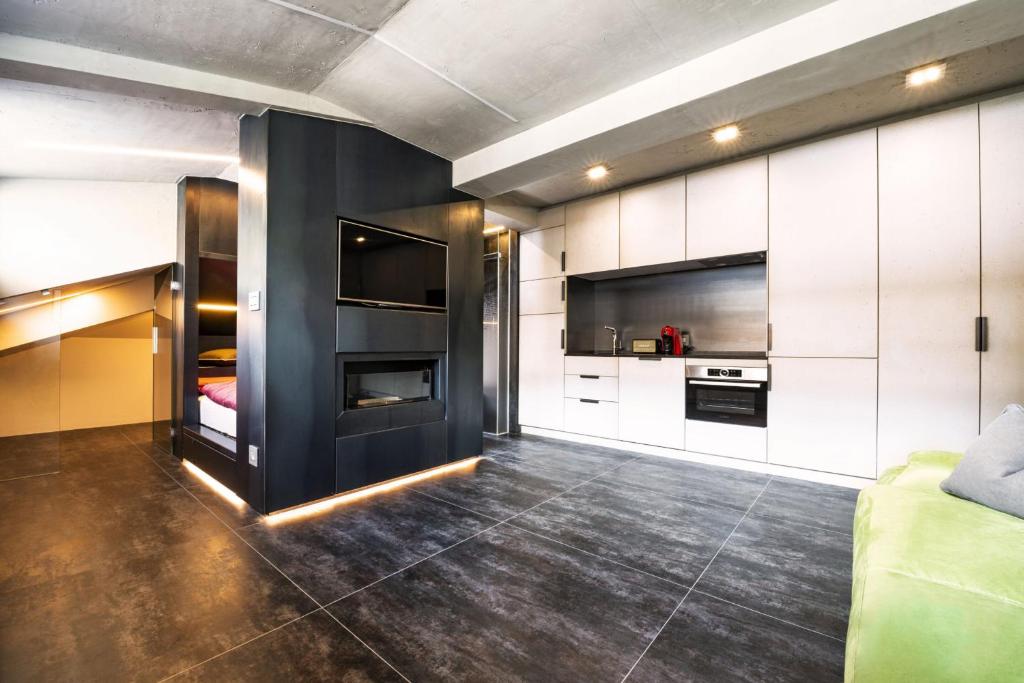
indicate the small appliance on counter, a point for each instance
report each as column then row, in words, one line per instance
column 646, row 346
column 675, row 341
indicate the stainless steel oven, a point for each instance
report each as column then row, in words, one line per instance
column 728, row 395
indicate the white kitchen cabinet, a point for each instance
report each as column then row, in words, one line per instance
column 592, row 235
column 727, row 209
column 540, row 253
column 592, row 365
column 592, row 418
column 929, row 280
column 652, row 227
column 1002, row 253
column 652, row 401
column 731, row 441
column 823, row 249
column 821, row 414
column 592, row 386
column 541, row 371
column 542, row 296
column 551, row 217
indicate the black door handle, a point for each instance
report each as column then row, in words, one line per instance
column 981, row 333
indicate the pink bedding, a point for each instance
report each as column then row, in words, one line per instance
column 222, row 393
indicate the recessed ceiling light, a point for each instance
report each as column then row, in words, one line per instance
column 45, row 292
column 360, row 239
column 726, row 133
column 597, row 172
column 133, row 151
column 926, row 74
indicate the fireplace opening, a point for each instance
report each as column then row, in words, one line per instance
column 370, row 384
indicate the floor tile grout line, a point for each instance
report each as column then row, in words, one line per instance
column 365, row 644
column 29, row 476
column 410, row 566
column 468, row 538
column 762, row 515
column 562, row 543
column 699, row 577
column 236, row 534
column 239, row 645
column 261, row 555
column 765, row 614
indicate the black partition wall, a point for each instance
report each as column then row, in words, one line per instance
column 334, row 395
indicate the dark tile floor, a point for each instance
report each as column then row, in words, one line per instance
column 548, row 561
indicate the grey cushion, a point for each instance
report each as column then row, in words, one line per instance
column 992, row 471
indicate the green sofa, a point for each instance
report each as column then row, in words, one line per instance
column 938, row 582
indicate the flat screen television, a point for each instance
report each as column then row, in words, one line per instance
column 383, row 268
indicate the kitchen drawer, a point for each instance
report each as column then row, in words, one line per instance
column 592, row 418
column 541, row 296
column 592, row 365
column 592, row 386
column 732, row 441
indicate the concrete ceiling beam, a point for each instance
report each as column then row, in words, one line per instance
column 839, row 45
column 68, row 65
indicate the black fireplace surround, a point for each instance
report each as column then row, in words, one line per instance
column 378, row 392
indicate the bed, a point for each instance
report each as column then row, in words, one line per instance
column 218, row 407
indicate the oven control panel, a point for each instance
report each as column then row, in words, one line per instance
column 727, row 374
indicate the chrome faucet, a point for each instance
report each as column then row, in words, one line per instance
column 615, row 339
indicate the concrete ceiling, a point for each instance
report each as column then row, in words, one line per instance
column 247, row 39
column 520, row 95
column 33, row 115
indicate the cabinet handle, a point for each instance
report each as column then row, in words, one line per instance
column 563, row 261
column 590, row 377
column 768, row 384
column 769, row 336
column 588, row 400
column 563, row 289
column 654, row 358
column 562, row 342
column 981, row 333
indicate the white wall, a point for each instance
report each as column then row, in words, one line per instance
column 56, row 232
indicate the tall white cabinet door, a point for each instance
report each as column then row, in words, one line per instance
column 727, row 209
column 592, row 235
column 540, row 253
column 821, row 414
column 541, row 371
column 542, row 296
column 652, row 401
column 823, row 249
column 929, row 278
column 1002, row 253
column 652, row 223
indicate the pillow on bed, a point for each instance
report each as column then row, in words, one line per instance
column 992, row 471
column 218, row 357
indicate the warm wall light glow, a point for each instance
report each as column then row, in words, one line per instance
column 133, row 151
column 360, row 239
column 224, row 308
column 726, row 133
column 926, row 74
column 326, row 504
column 218, row 488
column 597, row 172
column 494, row 230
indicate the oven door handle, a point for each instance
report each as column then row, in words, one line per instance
column 748, row 385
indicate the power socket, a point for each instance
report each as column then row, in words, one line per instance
column 254, row 456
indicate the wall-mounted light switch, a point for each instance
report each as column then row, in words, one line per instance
column 254, row 300
column 254, row 456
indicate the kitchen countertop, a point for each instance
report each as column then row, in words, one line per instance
column 709, row 355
